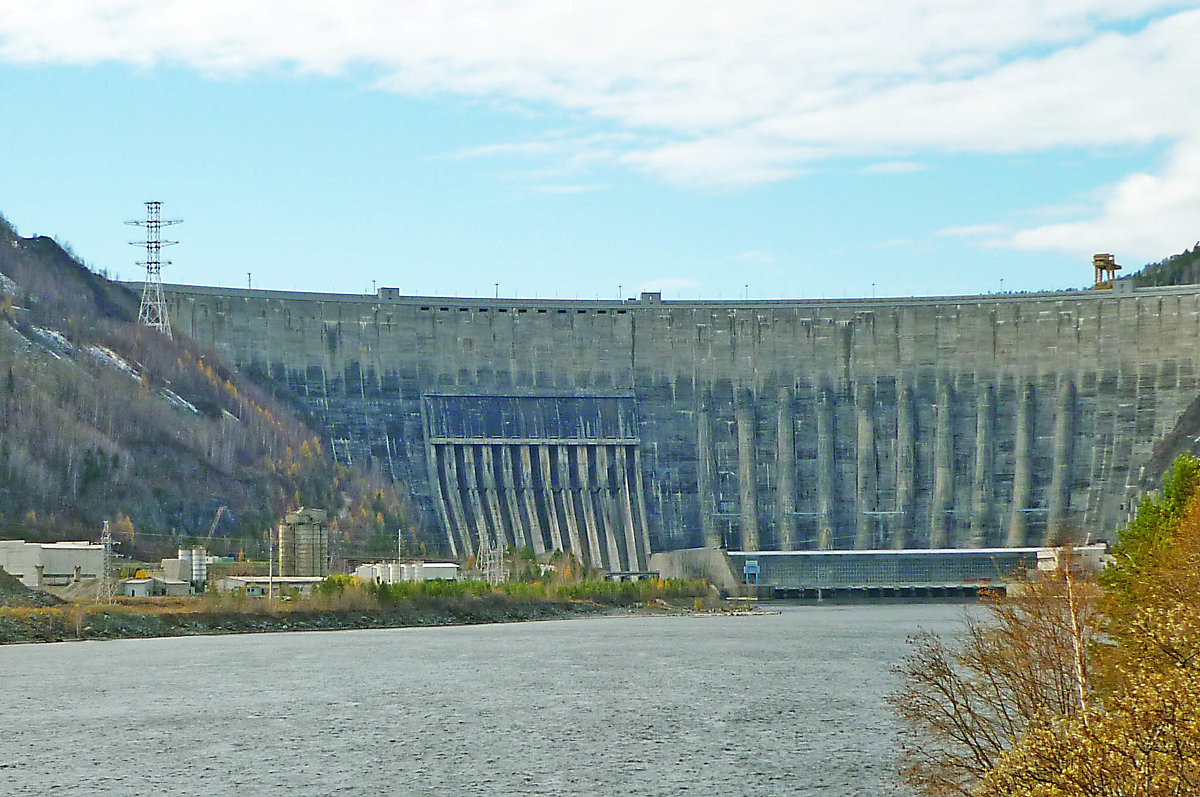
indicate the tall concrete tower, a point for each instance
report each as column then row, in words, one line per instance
column 304, row 543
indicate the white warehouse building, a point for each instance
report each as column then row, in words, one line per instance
column 393, row 572
column 51, row 564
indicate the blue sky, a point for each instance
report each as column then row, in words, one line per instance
column 775, row 149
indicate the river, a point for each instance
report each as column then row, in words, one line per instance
column 783, row 704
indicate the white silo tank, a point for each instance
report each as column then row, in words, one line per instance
column 199, row 566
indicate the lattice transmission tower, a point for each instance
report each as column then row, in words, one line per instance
column 153, row 312
column 492, row 563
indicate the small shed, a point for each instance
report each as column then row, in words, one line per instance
column 154, row 587
column 260, row 586
column 433, row 571
column 137, row 587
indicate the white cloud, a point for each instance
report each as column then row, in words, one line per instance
column 794, row 79
column 755, row 256
column 1142, row 216
column 731, row 162
column 893, row 167
column 701, row 93
column 594, row 146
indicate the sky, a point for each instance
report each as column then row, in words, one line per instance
column 595, row 149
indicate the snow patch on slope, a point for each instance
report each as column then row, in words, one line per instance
column 178, row 401
column 113, row 360
column 54, row 342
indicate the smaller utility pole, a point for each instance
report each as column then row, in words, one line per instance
column 270, row 567
column 106, row 565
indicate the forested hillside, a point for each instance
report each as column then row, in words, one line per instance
column 1180, row 269
column 103, row 419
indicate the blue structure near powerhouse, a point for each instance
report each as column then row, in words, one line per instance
column 923, row 571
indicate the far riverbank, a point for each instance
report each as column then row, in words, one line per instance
column 344, row 604
column 66, row 623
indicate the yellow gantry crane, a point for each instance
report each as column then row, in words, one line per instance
column 1106, row 271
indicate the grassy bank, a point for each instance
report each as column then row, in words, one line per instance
column 343, row 603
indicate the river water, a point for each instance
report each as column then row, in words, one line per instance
column 780, row 704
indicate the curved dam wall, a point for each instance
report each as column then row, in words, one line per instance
column 1004, row 420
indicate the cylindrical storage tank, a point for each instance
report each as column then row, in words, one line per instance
column 185, row 563
column 395, row 573
column 199, row 566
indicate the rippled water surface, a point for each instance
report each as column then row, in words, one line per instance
column 773, row 705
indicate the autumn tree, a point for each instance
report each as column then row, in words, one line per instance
column 1073, row 690
column 1142, row 739
column 1016, row 668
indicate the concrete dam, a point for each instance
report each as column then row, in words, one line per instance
column 613, row 429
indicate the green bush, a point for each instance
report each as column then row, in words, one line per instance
column 1151, row 532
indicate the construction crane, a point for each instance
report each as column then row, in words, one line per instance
column 212, row 530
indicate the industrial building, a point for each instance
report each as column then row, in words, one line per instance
column 51, row 564
column 393, row 572
column 154, row 587
column 191, row 566
column 877, row 573
column 1086, row 559
column 806, row 572
column 261, row 586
